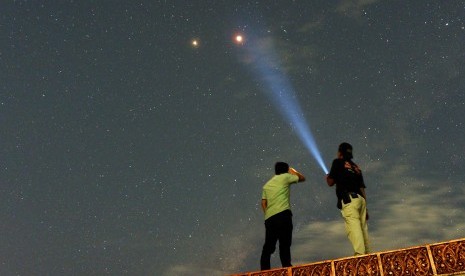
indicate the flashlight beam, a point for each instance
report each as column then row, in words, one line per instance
column 281, row 93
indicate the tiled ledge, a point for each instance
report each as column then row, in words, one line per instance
column 445, row 258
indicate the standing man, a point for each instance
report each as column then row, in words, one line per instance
column 351, row 197
column 278, row 216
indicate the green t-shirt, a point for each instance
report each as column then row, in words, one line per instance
column 277, row 193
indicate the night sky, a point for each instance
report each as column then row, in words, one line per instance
column 136, row 136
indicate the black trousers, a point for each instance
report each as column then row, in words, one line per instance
column 278, row 228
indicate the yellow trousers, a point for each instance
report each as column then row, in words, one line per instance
column 354, row 214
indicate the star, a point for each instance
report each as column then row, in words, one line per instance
column 195, row 43
column 239, row 39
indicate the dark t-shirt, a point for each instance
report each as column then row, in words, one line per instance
column 348, row 178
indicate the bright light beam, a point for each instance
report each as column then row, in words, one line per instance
column 281, row 93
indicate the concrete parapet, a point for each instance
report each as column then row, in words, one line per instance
column 445, row 258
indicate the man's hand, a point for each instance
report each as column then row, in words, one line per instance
column 295, row 172
column 329, row 181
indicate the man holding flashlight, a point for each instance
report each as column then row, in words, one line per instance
column 351, row 197
column 278, row 216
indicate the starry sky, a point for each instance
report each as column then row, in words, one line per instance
column 136, row 136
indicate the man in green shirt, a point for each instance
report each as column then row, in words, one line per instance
column 278, row 216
